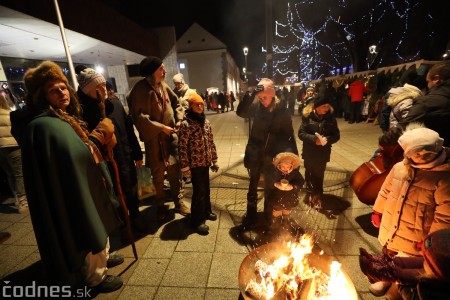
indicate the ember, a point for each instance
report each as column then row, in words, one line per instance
column 276, row 271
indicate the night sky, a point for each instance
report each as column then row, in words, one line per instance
column 239, row 23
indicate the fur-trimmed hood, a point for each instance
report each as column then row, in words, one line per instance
column 398, row 94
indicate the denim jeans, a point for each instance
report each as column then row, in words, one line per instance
column 11, row 163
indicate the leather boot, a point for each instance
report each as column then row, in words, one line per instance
column 251, row 216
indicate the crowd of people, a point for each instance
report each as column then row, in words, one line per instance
column 78, row 152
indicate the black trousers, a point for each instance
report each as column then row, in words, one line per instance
column 201, row 200
column 356, row 111
column 267, row 170
column 314, row 174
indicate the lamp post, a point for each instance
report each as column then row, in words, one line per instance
column 245, row 55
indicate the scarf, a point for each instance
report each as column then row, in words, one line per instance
column 199, row 118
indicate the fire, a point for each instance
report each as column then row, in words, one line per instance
column 290, row 276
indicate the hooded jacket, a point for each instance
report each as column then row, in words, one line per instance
column 413, row 202
column 71, row 211
column 400, row 100
column 433, row 109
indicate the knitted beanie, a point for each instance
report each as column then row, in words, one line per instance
column 420, row 139
column 35, row 78
column 178, row 78
column 89, row 79
column 195, row 98
column 149, row 65
column 436, row 252
column 269, row 88
column 321, row 101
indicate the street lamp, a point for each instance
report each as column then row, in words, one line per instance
column 245, row 55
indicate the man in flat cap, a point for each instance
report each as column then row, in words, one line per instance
column 156, row 113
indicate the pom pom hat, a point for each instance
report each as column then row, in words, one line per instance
column 89, row 79
column 420, row 139
column 269, row 88
column 149, row 65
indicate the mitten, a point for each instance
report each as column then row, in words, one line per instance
column 104, row 131
column 215, row 167
column 376, row 219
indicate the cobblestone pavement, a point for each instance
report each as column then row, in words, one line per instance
column 175, row 263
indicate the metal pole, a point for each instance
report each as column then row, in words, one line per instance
column 66, row 47
column 269, row 42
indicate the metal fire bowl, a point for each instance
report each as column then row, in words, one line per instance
column 268, row 253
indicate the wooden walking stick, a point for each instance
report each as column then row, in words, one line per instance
column 110, row 158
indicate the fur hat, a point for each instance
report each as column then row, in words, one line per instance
column 287, row 157
column 436, row 252
column 419, row 139
column 149, row 65
column 35, row 78
column 178, row 78
column 321, row 101
column 269, row 88
column 195, row 98
column 88, row 79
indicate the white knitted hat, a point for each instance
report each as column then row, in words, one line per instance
column 420, row 139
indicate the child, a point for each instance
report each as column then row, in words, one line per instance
column 424, row 277
column 318, row 131
column 197, row 154
column 414, row 199
column 288, row 182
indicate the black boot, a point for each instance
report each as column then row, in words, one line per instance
column 251, row 217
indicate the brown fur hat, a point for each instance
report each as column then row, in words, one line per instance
column 35, row 78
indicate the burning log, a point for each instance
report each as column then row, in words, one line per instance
column 292, row 271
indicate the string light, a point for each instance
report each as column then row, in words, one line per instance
column 303, row 51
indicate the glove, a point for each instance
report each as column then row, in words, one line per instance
column 215, row 167
column 258, row 88
column 376, row 219
column 187, row 174
column 104, row 131
column 419, row 245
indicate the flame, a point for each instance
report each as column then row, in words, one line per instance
column 289, row 272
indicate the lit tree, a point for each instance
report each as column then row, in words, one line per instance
column 318, row 38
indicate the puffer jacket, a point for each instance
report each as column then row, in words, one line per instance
column 6, row 138
column 414, row 202
column 400, row 100
column 196, row 146
column 433, row 110
column 326, row 126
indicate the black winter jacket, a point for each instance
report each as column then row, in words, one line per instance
column 327, row 127
column 433, row 110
